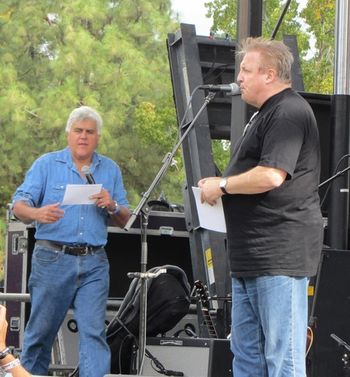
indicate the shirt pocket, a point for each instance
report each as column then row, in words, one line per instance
column 55, row 193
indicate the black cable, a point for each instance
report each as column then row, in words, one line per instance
column 188, row 330
column 129, row 335
column 159, row 365
column 220, row 73
column 334, row 172
column 188, row 107
column 212, row 68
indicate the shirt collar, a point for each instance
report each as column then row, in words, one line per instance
column 65, row 157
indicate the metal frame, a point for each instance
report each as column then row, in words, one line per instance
column 188, row 67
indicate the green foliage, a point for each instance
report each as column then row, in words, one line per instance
column 224, row 14
column 221, row 153
column 318, row 71
column 105, row 54
column 2, row 247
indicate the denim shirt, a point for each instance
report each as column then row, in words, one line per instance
column 45, row 183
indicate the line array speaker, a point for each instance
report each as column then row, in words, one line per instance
column 331, row 314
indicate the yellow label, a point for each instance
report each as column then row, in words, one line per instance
column 209, row 258
column 311, row 290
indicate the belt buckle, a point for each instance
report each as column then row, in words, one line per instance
column 84, row 251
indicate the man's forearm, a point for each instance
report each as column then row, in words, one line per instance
column 121, row 218
column 24, row 212
column 255, row 181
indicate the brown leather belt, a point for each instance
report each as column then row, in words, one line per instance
column 77, row 250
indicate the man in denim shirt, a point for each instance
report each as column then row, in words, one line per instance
column 69, row 264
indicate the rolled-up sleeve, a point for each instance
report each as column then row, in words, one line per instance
column 120, row 192
column 31, row 190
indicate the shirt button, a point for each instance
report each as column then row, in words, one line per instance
column 82, row 218
column 81, row 233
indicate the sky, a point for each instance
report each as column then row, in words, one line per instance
column 193, row 12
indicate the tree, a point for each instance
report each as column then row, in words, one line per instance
column 105, row 54
column 318, row 71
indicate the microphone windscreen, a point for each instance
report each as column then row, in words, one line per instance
column 86, row 169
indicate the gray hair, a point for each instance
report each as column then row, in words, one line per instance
column 274, row 54
column 84, row 112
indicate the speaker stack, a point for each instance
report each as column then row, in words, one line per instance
column 327, row 356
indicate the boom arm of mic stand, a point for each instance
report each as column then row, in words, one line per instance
column 340, row 342
column 166, row 163
column 334, row 177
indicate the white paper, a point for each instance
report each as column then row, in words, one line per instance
column 80, row 194
column 210, row 217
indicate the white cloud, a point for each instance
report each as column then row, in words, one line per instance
column 193, row 12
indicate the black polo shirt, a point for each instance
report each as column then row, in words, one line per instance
column 279, row 232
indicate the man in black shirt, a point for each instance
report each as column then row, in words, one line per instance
column 274, row 223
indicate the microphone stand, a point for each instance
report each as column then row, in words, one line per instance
column 143, row 210
column 346, row 355
column 334, row 177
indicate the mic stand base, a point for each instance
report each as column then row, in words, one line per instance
column 346, row 355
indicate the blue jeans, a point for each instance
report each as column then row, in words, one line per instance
column 269, row 326
column 57, row 282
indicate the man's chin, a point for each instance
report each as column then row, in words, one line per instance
column 83, row 155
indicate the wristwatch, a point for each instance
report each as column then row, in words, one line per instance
column 222, row 185
column 4, row 353
column 116, row 209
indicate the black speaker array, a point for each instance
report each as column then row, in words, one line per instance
column 332, row 316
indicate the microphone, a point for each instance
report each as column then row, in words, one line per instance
column 232, row 89
column 90, row 179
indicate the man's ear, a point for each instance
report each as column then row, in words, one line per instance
column 270, row 75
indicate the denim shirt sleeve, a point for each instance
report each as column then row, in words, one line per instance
column 119, row 194
column 31, row 190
